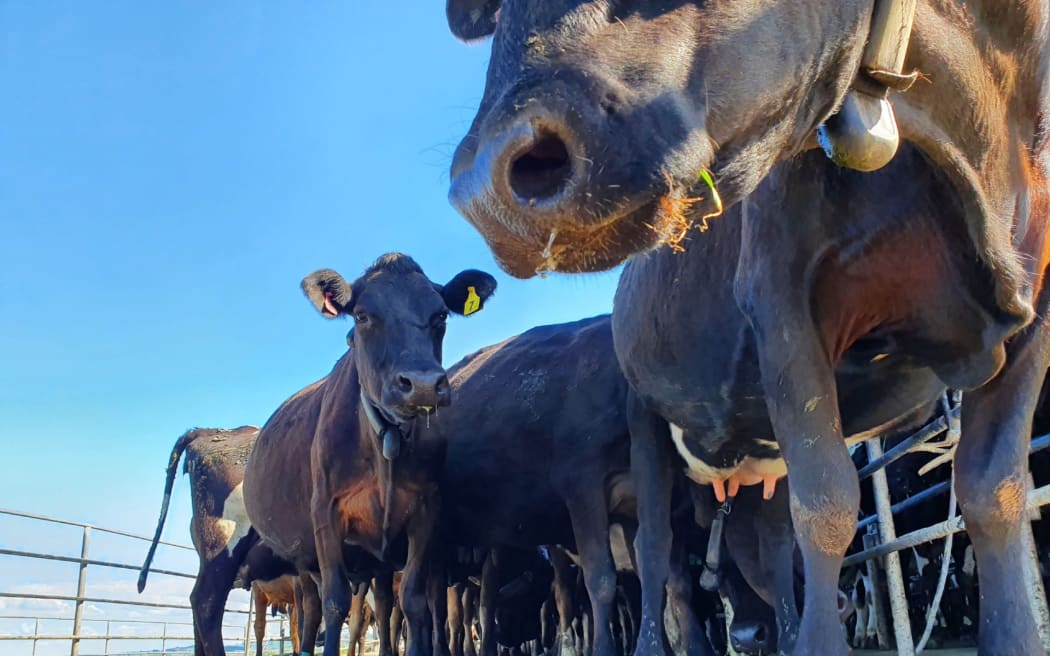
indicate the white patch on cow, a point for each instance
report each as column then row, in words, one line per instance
column 749, row 470
column 369, row 599
column 620, row 552
column 234, row 524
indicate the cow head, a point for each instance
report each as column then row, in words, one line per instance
column 399, row 325
column 600, row 119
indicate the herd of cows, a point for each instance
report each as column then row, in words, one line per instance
column 870, row 183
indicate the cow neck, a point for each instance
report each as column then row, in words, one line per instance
column 986, row 154
column 387, row 438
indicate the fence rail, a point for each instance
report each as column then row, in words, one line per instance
column 170, row 631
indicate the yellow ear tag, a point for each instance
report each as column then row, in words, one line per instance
column 473, row 303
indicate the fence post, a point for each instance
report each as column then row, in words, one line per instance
column 74, row 647
column 894, row 577
column 164, row 640
column 108, row 633
column 36, row 632
column 248, row 625
column 281, row 648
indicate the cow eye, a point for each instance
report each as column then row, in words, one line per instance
column 361, row 318
column 441, row 317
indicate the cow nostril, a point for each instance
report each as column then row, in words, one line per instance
column 404, row 384
column 542, row 171
column 442, row 385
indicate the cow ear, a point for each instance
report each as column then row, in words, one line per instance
column 467, row 292
column 470, row 20
column 329, row 293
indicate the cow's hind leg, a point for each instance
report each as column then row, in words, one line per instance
column 208, row 601
column 383, row 595
column 470, row 598
column 590, row 524
column 355, row 620
column 311, row 614
column 454, row 604
column 437, row 598
column 565, row 642
column 990, row 468
column 651, row 471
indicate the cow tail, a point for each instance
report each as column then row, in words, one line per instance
column 173, row 466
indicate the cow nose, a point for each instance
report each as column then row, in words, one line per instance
column 533, row 167
column 422, row 389
column 750, row 637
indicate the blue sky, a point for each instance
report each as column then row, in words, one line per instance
column 168, row 173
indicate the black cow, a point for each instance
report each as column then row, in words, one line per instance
column 607, row 128
column 538, row 455
column 226, row 545
column 353, row 449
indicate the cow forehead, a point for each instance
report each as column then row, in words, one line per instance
column 398, row 294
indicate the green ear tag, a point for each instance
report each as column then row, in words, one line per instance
column 473, row 303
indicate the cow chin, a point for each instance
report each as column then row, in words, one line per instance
column 569, row 247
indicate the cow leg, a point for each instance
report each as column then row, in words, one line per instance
column 590, row 524
column 487, row 607
column 470, row 598
column 565, row 642
column 383, row 596
column 799, row 384
column 777, row 553
column 293, row 622
column 355, row 619
column 208, row 602
column 990, row 468
column 437, row 598
column 414, row 583
column 336, row 598
column 453, row 604
column 397, row 628
column 260, row 621
column 311, row 613
column 693, row 639
column 651, row 471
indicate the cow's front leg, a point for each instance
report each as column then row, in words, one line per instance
column 334, row 588
column 652, row 474
column 991, row 463
column 414, row 584
column 798, row 381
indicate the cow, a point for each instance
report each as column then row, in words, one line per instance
column 277, row 595
column 609, row 128
column 358, row 462
column 536, row 454
column 227, row 547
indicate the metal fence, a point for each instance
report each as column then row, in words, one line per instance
column 164, row 631
column 881, row 543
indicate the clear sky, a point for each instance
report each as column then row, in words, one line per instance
column 169, row 171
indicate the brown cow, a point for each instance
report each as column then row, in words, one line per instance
column 597, row 121
column 354, row 448
column 226, row 545
column 278, row 595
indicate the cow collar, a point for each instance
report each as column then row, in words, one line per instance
column 862, row 134
column 388, row 433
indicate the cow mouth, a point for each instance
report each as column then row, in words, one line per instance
column 662, row 219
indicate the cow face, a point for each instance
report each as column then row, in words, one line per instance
column 600, row 118
column 399, row 325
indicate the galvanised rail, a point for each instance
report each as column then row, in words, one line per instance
column 169, row 631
